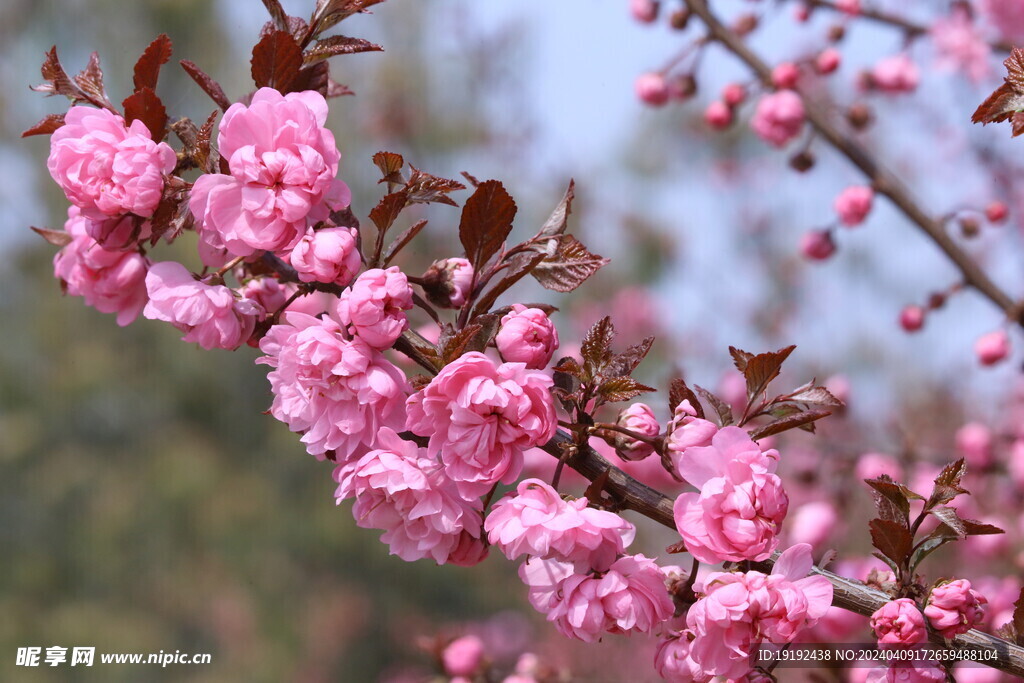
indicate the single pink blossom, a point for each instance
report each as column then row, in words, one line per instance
column 785, row 75
column 527, row 336
column 718, row 115
column 639, row 418
column 672, row 660
column 899, row 622
column 283, row 162
column 912, row 318
column 338, row 392
column 399, row 489
column 109, row 281
column 827, row 61
column 536, row 521
column 447, row 282
column 779, row 117
column 328, row 255
column 741, row 504
column 463, row 656
column 209, row 315
column 480, row 417
column 106, row 168
column 652, row 89
column 954, row 608
column 992, row 347
column 686, row 430
column 374, row 306
column 733, row 94
column 854, row 204
column 896, row 74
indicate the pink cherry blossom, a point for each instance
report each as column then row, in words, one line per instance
column 121, row 233
column 996, row 212
column 828, row 60
column 630, row 596
column 374, row 306
column 992, row 347
column 463, row 656
column 733, row 94
column 686, row 430
column 107, row 168
column 954, row 608
column 896, row 74
column 960, row 45
column 854, row 204
column 268, row 292
column 328, row 255
column 638, row 418
column 899, row 622
column 912, row 318
column 399, row 489
column 109, row 281
column 338, row 392
column 785, row 75
column 480, row 417
column 527, row 336
column 672, row 660
column 652, row 89
column 283, row 163
column 209, row 315
column 817, row 245
column 537, row 522
column 741, row 504
column 779, row 117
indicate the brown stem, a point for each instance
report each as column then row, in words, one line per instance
column 883, row 181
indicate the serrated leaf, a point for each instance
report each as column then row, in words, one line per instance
column 90, row 82
column 802, row 420
column 569, row 266
column 486, row 222
column 315, row 77
column 519, row 266
column 623, row 364
column 892, row 539
column 621, row 389
column 330, row 12
column 678, row 392
column 206, row 157
column 335, row 89
column 57, row 238
column 424, row 188
column 277, row 14
column 817, row 396
column 1008, row 99
column 59, row 81
column 895, row 493
column 976, row 528
column 276, row 61
column 388, row 209
column 210, row 87
column 569, row 366
column 49, row 124
column 338, row 45
column 390, row 165
column 147, row 69
column 557, row 221
column 145, row 106
column 950, row 518
column 454, row 343
column 403, row 239
column 947, row 484
column 596, row 347
column 761, row 369
column 723, row 409
column 740, row 358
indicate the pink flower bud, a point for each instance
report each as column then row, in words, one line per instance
column 447, row 282
column 638, row 418
column 992, row 347
column 954, row 608
column 786, row 75
column 912, row 318
column 718, row 115
column 268, row 292
column 827, row 61
column 974, row 442
column 854, row 204
column 652, row 89
column 644, row 11
column 899, row 622
column 896, row 74
column 817, row 245
column 374, row 306
column 996, row 212
column 528, row 336
column 463, row 656
column 733, row 94
column 779, row 117
column 328, row 255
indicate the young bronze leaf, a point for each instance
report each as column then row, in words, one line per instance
column 892, row 539
column 454, row 342
column 338, row 45
column 90, row 82
column 761, row 369
column 314, row 77
column 424, row 188
column 975, row 528
column 57, row 238
column 277, row 14
column 622, row 389
column 49, row 124
column 206, row 157
column 210, row 87
column 740, row 358
column 556, row 222
column 276, row 61
column 623, row 364
column 59, row 81
column 1008, row 99
column 947, row 484
column 803, row 420
column 721, row 407
column 147, row 69
column 891, row 501
column 950, row 518
column 390, row 165
column 816, row 395
column 330, row 12
column 402, row 240
column 596, row 346
column 679, row 392
column 387, row 210
column 486, row 222
column 569, row 266
column 145, row 106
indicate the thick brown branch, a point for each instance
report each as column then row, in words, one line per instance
column 883, row 181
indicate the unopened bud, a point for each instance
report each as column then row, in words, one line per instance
column 745, row 24
column 912, row 318
column 969, row 227
column 859, row 116
column 446, row 283
column 679, row 19
column 801, row 162
column 836, row 32
column 996, row 212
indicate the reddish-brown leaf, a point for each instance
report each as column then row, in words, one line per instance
column 622, row 389
column 90, row 82
column 277, row 14
column 206, row 157
column 892, row 500
column 1018, row 619
column 147, row 69
column 276, row 61
column 49, row 124
column 425, row 188
column 892, row 539
column 390, row 165
column 569, row 267
column 596, row 347
column 387, row 210
column 559, row 218
column 815, row 395
column 57, row 238
column 338, row 45
column 678, row 392
column 330, row 12
column 209, row 86
column 519, row 267
column 59, row 81
column 623, row 364
column 740, row 358
column 315, row 77
column 723, row 409
column 486, row 222
column 402, row 240
column 802, row 420
column 145, row 106
column 335, row 89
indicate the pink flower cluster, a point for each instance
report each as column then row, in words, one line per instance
column 373, row 308
column 536, row 521
column 209, row 315
column 283, row 163
column 630, row 596
column 954, row 608
column 854, row 204
column 779, row 117
column 480, row 417
column 899, row 622
column 337, row 391
column 527, row 336
column 738, row 610
column 108, row 169
column 741, row 503
column 328, row 255
column 399, row 489
column 109, row 281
